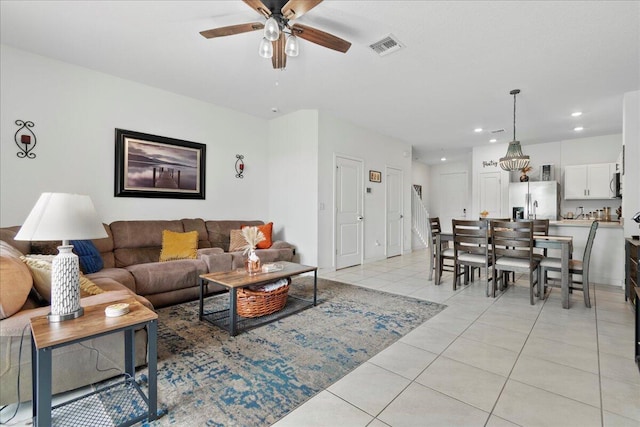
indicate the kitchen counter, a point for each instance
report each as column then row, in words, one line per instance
column 607, row 256
column 585, row 223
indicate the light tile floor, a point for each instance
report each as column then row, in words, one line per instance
column 487, row 362
column 482, row 361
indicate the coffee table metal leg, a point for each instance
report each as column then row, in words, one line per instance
column 201, row 309
column 315, row 288
column 233, row 326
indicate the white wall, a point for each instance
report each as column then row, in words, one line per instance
column 631, row 178
column 338, row 137
column 293, row 181
column 75, row 111
column 485, row 159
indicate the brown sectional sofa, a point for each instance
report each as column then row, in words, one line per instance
column 130, row 254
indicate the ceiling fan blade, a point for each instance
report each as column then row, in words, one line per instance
column 294, row 9
column 279, row 58
column 232, row 29
column 320, row 37
column 259, row 7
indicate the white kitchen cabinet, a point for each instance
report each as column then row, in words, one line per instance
column 589, row 181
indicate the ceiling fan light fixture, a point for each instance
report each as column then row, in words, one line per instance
column 266, row 49
column 291, row 48
column 514, row 159
column 271, row 29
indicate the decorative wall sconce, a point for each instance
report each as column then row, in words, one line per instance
column 25, row 136
column 239, row 166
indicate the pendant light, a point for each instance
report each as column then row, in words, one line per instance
column 266, row 48
column 272, row 29
column 291, row 47
column 514, row 159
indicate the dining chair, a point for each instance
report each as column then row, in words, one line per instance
column 512, row 250
column 579, row 267
column 540, row 228
column 446, row 253
column 470, row 249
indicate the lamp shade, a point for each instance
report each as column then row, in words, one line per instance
column 62, row 216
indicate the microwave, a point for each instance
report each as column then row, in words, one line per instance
column 616, row 184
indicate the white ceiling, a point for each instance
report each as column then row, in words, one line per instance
column 460, row 62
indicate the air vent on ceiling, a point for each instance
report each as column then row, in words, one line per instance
column 387, row 45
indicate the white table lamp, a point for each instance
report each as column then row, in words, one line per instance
column 61, row 216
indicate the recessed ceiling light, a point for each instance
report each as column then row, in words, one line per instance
column 578, row 128
column 492, row 140
column 477, row 130
column 442, row 159
column 576, row 114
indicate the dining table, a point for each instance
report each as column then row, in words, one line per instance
column 562, row 243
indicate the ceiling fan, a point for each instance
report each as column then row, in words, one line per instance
column 275, row 43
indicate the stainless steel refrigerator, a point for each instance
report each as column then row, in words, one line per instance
column 534, row 200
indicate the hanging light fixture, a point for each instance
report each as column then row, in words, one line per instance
column 514, row 159
column 291, row 47
column 272, row 29
column 266, row 48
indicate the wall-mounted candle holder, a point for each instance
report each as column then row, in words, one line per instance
column 25, row 139
column 239, row 166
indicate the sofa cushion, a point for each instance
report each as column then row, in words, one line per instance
column 219, row 231
column 267, row 231
column 156, row 277
column 120, row 275
column 237, row 241
column 139, row 242
column 88, row 256
column 40, row 268
column 8, row 233
column 197, row 224
column 177, row 246
column 16, row 283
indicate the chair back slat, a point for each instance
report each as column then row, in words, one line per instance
column 512, row 239
column 470, row 236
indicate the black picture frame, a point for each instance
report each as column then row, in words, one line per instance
column 153, row 166
column 375, row 176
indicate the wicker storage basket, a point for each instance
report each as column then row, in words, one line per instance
column 252, row 303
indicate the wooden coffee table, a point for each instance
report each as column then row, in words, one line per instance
column 232, row 280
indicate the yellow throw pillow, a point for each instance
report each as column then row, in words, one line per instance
column 177, row 246
column 87, row 287
column 40, row 267
column 237, row 241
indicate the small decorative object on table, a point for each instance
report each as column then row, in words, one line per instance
column 484, row 214
column 523, row 173
column 253, row 236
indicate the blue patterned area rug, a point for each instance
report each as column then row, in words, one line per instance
column 207, row 378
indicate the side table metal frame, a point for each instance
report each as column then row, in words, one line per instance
column 42, row 372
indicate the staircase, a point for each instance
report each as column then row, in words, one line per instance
column 420, row 219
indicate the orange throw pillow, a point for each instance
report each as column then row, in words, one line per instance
column 266, row 230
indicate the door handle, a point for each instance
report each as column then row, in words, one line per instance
column 359, row 217
column 401, row 216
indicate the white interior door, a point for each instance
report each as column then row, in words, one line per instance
column 395, row 222
column 454, row 196
column 349, row 214
column 490, row 194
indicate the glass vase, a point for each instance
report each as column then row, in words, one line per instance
column 253, row 262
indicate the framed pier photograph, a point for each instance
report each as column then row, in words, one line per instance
column 157, row 166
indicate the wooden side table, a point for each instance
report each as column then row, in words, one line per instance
column 45, row 337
